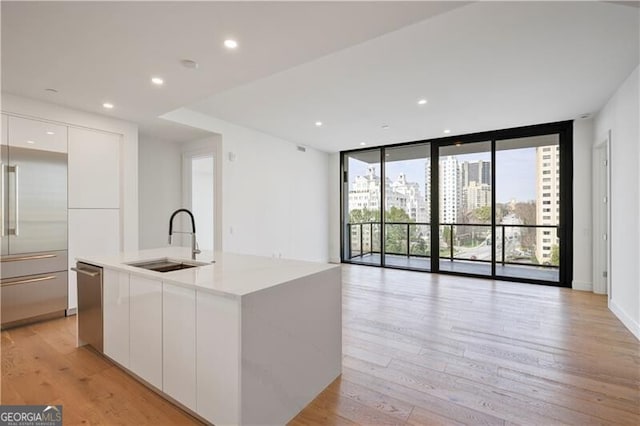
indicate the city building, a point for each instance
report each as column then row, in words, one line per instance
column 475, row 195
column 450, row 189
column 365, row 194
column 547, row 200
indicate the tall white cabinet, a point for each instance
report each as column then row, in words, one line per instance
column 94, row 197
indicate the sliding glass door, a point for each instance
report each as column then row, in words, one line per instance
column 465, row 208
column 528, row 207
column 407, row 226
column 361, row 200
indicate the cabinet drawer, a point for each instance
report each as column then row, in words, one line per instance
column 33, row 264
column 33, row 295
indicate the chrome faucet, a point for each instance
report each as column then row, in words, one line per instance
column 194, row 245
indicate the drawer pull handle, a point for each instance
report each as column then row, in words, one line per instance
column 34, row 257
column 30, row 280
column 82, row 271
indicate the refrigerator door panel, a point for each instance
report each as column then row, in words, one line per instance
column 3, row 197
column 33, row 296
column 37, row 200
column 33, row 263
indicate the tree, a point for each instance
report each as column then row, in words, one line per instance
column 396, row 235
column 526, row 212
column 555, row 255
column 364, row 215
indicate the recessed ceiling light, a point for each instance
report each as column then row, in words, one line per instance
column 230, row 44
column 157, row 81
column 385, row 126
column 50, row 132
column 363, row 143
column 188, row 63
column 422, row 101
column 51, row 90
column 30, row 142
column 458, row 143
column 447, row 131
column 318, row 123
column 107, row 105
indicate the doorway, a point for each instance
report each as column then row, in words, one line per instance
column 199, row 194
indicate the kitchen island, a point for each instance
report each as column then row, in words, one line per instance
column 244, row 340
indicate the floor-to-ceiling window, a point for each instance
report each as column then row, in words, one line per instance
column 493, row 204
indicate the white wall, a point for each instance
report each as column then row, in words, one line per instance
column 129, row 162
column 160, row 187
column 582, row 226
column 621, row 115
column 274, row 197
column 334, row 207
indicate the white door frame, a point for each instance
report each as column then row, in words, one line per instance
column 601, row 190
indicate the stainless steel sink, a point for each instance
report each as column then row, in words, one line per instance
column 166, row 264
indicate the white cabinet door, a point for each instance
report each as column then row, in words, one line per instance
column 179, row 344
column 91, row 233
column 94, row 169
column 146, row 329
column 218, row 358
column 115, row 307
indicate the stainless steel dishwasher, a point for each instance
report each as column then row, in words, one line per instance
column 89, row 305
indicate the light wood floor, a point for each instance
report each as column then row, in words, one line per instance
column 419, row 349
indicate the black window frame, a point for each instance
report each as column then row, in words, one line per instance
column 564, row 130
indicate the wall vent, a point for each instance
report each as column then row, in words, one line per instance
column 302, row 148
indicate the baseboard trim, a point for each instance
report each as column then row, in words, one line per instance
column 334, row 260
column 581, row 285
column 625, row 319
column 72, row 311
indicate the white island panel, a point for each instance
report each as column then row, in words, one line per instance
column 291, row 346
column 218, row 358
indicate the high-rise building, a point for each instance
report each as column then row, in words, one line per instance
column 547, row 200
column 427, row 189
column 475, row 171
column 475, row 182
column 449, row 189
column 475, row 195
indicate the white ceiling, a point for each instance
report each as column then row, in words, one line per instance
column 352, row 65
column 483, row 66
column 93, row 52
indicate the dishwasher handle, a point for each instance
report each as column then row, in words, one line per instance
column 85, row 272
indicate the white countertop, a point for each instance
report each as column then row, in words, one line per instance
column 232, row 275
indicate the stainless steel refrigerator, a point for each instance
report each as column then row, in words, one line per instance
column 33, row 226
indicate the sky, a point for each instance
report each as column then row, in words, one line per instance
column 515, row 172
